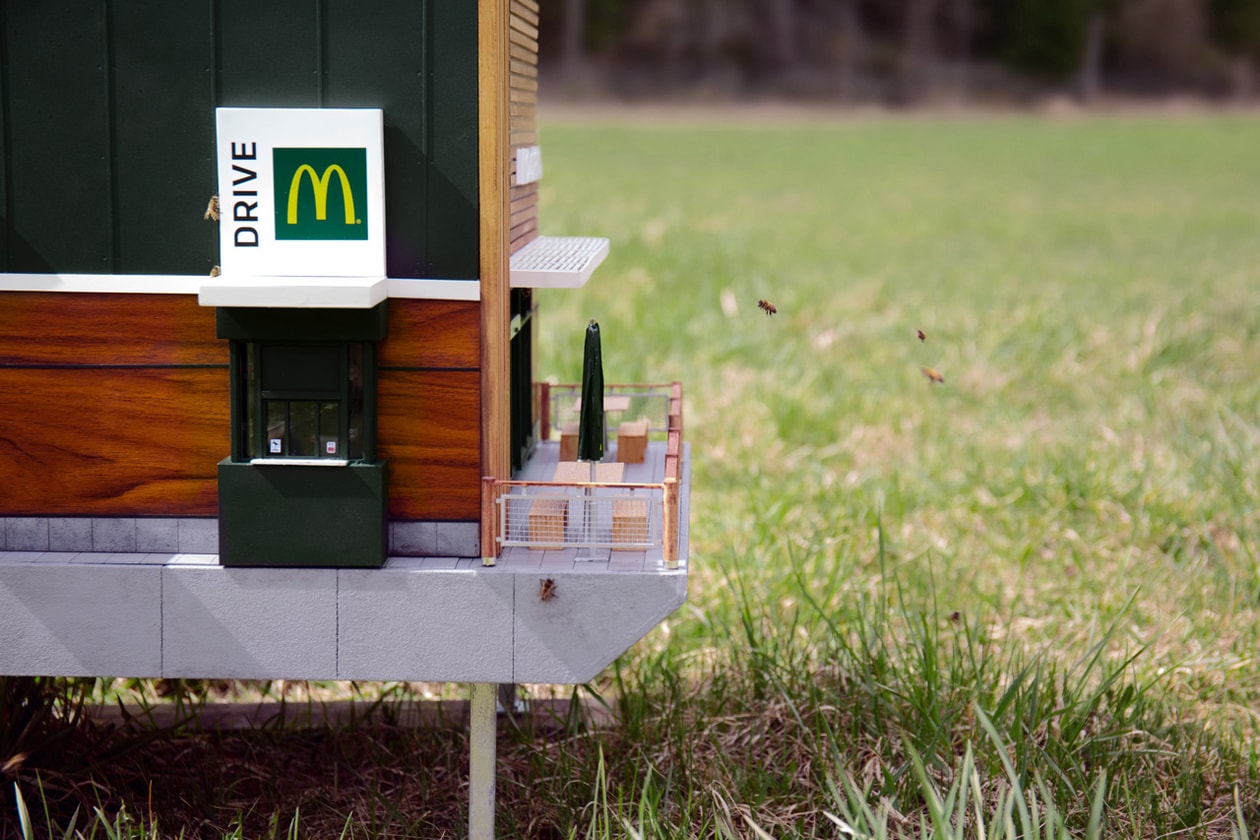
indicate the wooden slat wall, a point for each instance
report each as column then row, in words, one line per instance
column 114, row 405
column 523, row 111
column 431, row 334
column 46, row 329
column 117, row 405
column 429, row 409
column 427, row 427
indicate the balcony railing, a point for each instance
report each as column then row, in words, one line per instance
column 613, row 515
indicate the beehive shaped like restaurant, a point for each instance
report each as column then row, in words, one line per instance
column 268, row 316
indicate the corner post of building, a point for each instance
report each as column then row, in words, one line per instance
column 489, row 521
column 492, row 190
column 494, row 228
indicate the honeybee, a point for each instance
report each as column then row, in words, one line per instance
column 921, row 335
column 212, row 209
column 933, row 375
column 215, row 271
column 767, row 306
column 546, row 589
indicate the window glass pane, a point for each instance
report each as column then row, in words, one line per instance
column 305, row 400
column 277, row 426
column 303, row 428
column 330, row 430
column 301, row 367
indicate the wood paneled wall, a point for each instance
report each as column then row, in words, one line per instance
column 429, row 409
column 523, row 114
column 117, row 405
column 113, row 405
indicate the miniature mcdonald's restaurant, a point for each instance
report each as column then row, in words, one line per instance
column 269, row 301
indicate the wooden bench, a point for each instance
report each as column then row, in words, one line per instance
column 547, row 518
column 568, row 441
column 632, row 441
column 629, row 524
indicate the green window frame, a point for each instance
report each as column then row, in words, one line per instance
column 304, row 401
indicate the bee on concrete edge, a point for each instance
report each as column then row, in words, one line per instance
column 546, row 589
column 767, row 306
column 921, row 335
column 933, row 375
column 212, row 209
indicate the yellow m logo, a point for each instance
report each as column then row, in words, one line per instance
column 320, row 185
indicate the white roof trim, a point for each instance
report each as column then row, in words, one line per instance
column 435, row 289
column 159, row 284
column 293, row 292
column 195, row 284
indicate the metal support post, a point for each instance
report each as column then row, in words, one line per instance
column 481, row 747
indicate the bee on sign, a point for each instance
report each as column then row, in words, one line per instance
column 768, row 307
column 933, row 375
column 212, row 210
column 921, row 335
column 546, row 589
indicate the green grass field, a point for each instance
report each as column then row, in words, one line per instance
column 1024, row 602
column 1061, row 538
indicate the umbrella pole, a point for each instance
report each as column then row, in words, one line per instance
column 587, row 514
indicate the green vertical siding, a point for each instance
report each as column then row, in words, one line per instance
column 162, row 138
column 107, row 124
column 56, row 139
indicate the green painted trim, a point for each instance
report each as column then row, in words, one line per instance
column 236, row 398
column 263, row 324
column 369, row 402
column 292, row 516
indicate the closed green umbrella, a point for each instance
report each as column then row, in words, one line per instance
column 590, row 444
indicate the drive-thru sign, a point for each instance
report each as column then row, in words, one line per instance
column 301, row 192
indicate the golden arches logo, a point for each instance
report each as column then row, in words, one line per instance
column 319, row 183
column 302, row 215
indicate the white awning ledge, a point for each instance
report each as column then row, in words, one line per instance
column 557, row 262
column 294, row 292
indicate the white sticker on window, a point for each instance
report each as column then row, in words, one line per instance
column 330, row 447
column 276, row 446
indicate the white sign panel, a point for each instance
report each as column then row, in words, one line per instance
column 301, row 192
column 529, row 166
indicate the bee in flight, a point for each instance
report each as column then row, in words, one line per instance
column 546, row 589
column 933, row 375
column 921, row 335
column 767, row 306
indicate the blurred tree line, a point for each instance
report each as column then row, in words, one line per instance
column 902, row 51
